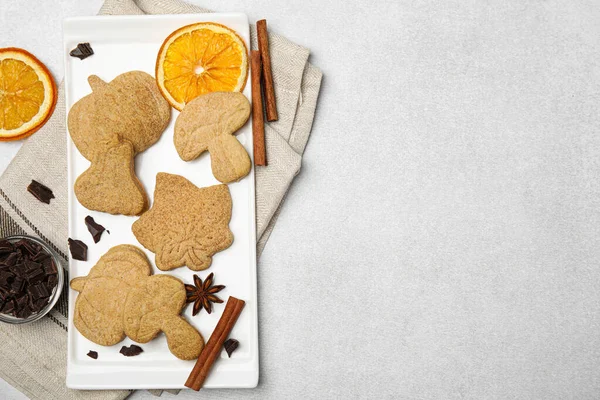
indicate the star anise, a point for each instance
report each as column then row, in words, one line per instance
column 203, row 294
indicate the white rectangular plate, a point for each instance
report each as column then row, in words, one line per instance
column 127, row 43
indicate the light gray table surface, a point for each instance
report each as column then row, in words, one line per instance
column 442, row 239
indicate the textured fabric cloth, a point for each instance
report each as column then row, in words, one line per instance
column 33, row 357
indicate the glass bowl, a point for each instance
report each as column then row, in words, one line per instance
column 57, row 290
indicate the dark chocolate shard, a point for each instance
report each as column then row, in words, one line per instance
column 40, row 257
column 78, row 249
column 6, row 279
column 35, row 276
column 93, row 354
column 39, row 304
column 51, row 282
column 38, row 291
column 131, row 351
column 50, row 267
column 82, row 51
column 27, row 247
column 41, row 192
column 23, row 312
column 11, row 260
column 9, row 307
column 18, row 285
column 31, row 265
column 5, row 246
column 22, row 301
column 94, row 228
column 230, row 346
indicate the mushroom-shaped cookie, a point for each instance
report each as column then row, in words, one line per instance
column 109, row 127
column 186, row 224
column 120, row 297
column 208, row 123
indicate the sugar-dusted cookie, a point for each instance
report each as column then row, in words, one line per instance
column 186, row 224
column 120, row 297
column 208, row 123
column 110, row 184
column 109, row 127
column 130, row 107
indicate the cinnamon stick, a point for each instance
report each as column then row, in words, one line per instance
column 213, row 348
column 258, row 123
column 263, row 47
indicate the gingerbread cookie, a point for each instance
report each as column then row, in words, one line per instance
column 186, row 225
column 120, row 297
column 109, row 127
column 208, row 123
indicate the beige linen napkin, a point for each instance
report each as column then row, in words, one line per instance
column 33, row 357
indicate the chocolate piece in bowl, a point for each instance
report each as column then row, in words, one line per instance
column 49, row 267
column 5, row 246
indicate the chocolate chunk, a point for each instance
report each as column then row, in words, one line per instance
column 27, row 247
column 30, row 265
column 9, row 307
column 94, row 228
column 40, row 257
column 6, row 279
column 41, row 192
column 24, row 312
column 11, row 259
column 78, row 249
column 50, row 267
column 5, row 246
column 82, row 51
column 38, row 291
column 230, row 346
column 22, row 301
column 51, row 282
column 39, row 304
column 131, row 351
column 93, row 354
column 35, row 276
column 18, row 285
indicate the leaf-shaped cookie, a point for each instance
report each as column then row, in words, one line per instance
column 186, row 224
column 208, row 123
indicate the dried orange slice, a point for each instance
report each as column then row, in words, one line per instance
column 198, row 59
column 27, row 94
